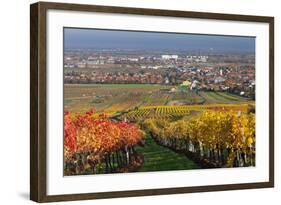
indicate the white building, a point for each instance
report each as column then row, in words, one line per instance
column 194, row 85
column 219, row 79
column 169, row 57
column 133, row 59
column 202, row 59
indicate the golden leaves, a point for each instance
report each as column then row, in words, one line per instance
column 211, row 128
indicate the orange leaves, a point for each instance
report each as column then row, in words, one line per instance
column 69, row 133
column 130, row 133
column 100, row 135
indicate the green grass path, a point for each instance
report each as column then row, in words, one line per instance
column 158, row 158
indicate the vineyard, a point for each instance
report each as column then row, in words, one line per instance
column 99, row 145
column 148, row 128
column 213, row 139
column 177, row 112
column 142, row 113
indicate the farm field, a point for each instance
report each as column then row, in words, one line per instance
column 111, row 98
column 221, row 97
column 114, row 99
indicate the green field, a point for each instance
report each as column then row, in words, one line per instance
column 157, row 158
column 111, row 98
column 116, row 98
column 221, row 97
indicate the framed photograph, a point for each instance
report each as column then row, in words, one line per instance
column 134, row 102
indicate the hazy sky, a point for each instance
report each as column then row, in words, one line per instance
column 92, row 38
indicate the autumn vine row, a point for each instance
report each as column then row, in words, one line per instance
column 99, row 144
column 214, row 139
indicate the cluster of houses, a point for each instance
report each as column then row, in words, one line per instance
column 195, row 72
column 148, row 61
column 238, row 81
column 114, row 78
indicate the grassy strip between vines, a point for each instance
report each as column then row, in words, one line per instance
column 160, row 158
